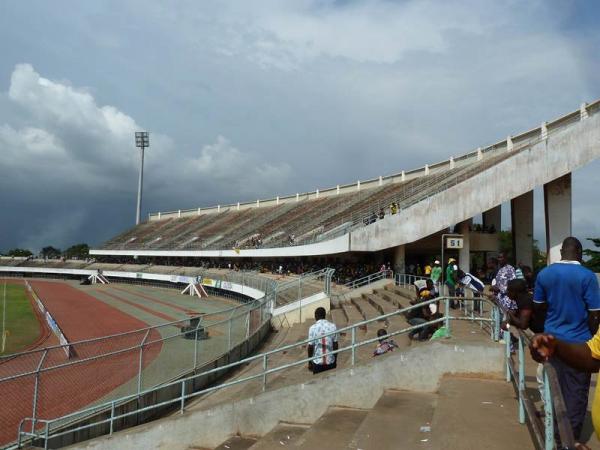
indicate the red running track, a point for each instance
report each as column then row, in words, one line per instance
column 64, row 390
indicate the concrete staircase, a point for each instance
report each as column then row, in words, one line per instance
column 465, row 414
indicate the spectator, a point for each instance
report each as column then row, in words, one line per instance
column 394, row 208
column 427, row 269
column 381, row 214
column 452, row 279
column 321, row 346
column 420, row 316
column 529, row 277
column 567, row 295
column 523, row 317
column 469, row 281
column 436, row 273
column 505, row 273
column 385, row 345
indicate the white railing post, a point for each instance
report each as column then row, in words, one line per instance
column 264, row 378
column 549, row 414
column 112, row 418
column 507, row 354
column 353, row 345
column 141, row 361
column 521, row 380
column 196, row 344
column 181, row 408
column 36, row 390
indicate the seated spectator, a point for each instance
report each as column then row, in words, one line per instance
column 420, row 316
column 423, row 285
column 385, row 344
column 321, row 346
column 381, row 214
column 394, row 208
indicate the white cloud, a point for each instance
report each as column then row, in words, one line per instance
column 233, row 171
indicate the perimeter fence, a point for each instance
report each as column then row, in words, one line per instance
column 43, row 384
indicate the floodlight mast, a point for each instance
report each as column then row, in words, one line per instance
column 142, row 140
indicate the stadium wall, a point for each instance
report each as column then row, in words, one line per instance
column 179, row 279
column 559, row 154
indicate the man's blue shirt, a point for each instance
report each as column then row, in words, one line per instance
column 570, row 291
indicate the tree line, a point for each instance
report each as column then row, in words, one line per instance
column 77, row 251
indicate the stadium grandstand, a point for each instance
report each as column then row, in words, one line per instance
column 246, row 386
column 392, row 217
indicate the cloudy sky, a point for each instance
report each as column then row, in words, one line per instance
column 250, row 99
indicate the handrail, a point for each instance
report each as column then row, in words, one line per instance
column 368, row 279
column 263, row 374
column 554, row 405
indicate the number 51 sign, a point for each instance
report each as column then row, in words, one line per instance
column 454, row 242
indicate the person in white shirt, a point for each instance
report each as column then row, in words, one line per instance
column 321, row 346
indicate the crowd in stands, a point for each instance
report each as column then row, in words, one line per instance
column 374, row 216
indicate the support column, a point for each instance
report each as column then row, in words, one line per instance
column 464, row 254
column 493, row 217
column 557, row 206
column 400, row 259
column 521, row 209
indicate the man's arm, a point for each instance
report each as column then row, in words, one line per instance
column 577, row 356
column 520, row 320
column 593, row 321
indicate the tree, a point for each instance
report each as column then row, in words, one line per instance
column 50, row 252
column 19, row 252
column 78, row 251
column 593, row 263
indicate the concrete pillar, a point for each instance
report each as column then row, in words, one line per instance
column 464, row 254
column 557, row 205
column 493, row 217
column 522, row 228
column 400, row 259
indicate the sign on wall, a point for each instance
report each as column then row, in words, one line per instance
column 454, row 242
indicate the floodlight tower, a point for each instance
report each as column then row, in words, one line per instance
column 142, row 140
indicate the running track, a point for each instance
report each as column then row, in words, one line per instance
column 80, row 316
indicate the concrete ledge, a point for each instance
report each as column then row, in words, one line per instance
column 418, row 369
column 299, row 311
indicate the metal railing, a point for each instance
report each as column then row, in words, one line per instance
column 407, row 280
column 129, row 363
column 303, row 286
column 50, row 429
column 369, row 279
column 554, row 413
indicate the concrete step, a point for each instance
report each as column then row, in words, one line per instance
column 393, row 298
column 408, row 294
column 338, row 317
column 380, row 304
column 236, row 443
column 366, row 309
column 396, row 422
column 333, row 430
column 353, row 314
column 283, row 435
column 472, row 414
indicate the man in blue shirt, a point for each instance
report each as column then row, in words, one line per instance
column 567, row 294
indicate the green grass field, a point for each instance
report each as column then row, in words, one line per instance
column 21, row 322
